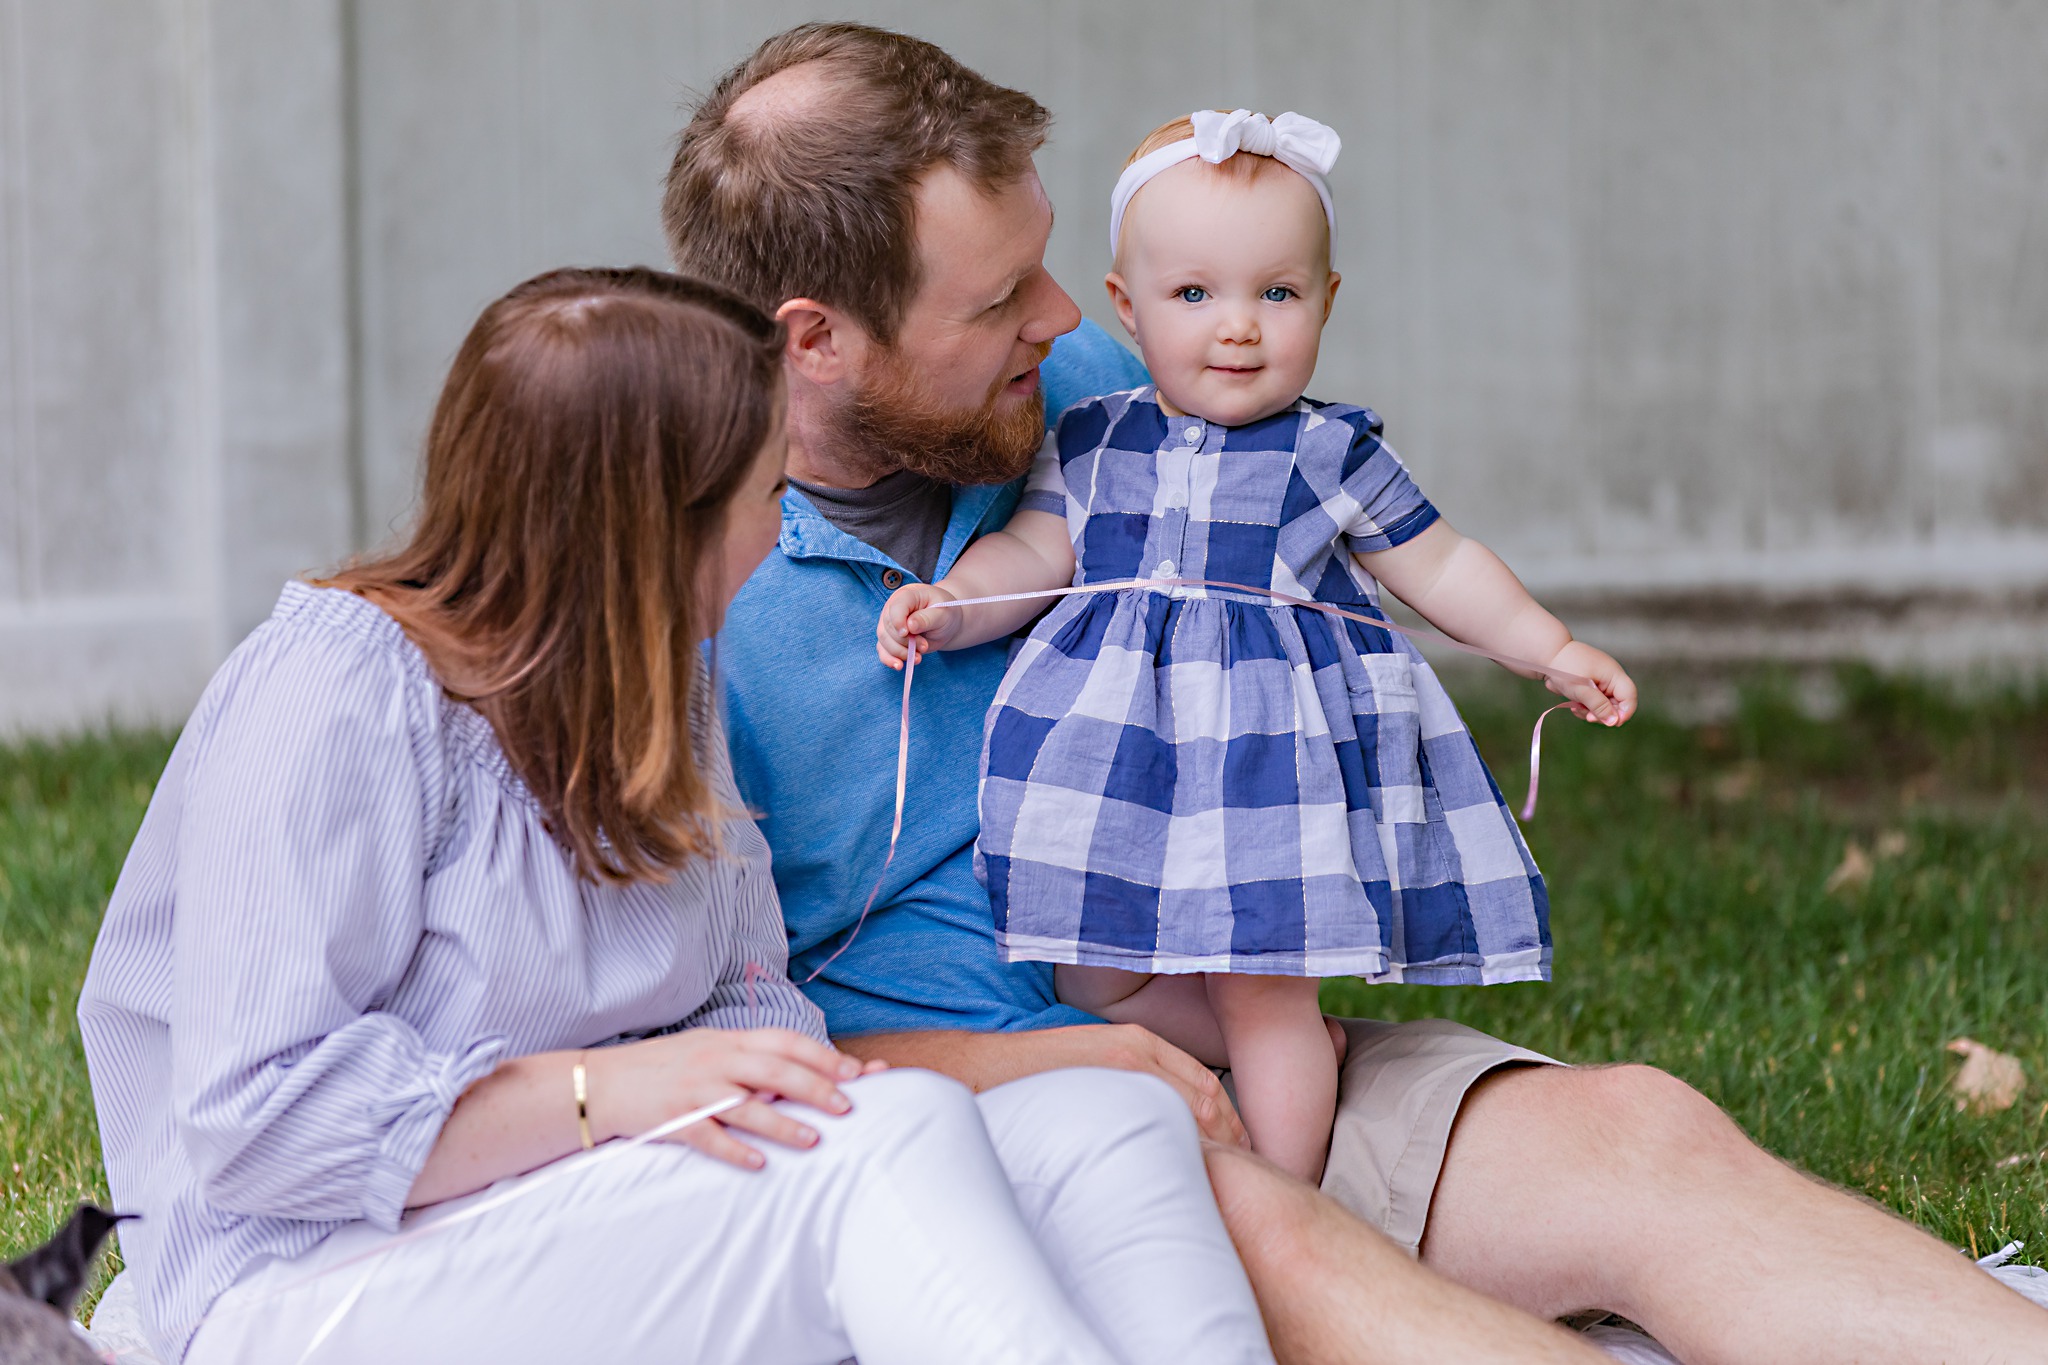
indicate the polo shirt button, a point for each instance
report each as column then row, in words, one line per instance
column 891, row 579
column 1192, row 435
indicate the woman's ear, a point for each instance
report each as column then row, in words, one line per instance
column 820, row 337
column 1120, row 299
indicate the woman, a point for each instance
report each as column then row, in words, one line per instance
column 448, row 846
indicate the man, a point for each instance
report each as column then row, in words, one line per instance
column 881, row 199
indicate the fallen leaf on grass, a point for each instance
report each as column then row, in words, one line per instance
column 1989, row 1081
column 1853, row 872
column 1737, row 783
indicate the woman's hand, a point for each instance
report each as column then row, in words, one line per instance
column 906, row 623
column 1612, row 698
column 638, row 1086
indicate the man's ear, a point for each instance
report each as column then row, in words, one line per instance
column 1120, row 299
column 1330, row 294
column 824, row 344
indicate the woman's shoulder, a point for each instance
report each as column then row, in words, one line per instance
column 325, row 662
column 321, row 630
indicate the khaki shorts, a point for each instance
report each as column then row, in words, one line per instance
column 1399, row 1094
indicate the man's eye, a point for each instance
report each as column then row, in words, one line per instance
column 1191, row 293
column 1279, row 293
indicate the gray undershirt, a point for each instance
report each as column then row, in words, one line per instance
column 903, row 515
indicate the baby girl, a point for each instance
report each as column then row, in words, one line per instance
column 1199, row 800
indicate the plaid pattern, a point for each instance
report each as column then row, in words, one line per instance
column 1202, row 781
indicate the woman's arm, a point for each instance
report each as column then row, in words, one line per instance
column 1463, row 589
column 1031, row 554
column 523, row 1115
column 982, row 1061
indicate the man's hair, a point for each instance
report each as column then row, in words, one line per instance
column 593, row 433
column 818, row 200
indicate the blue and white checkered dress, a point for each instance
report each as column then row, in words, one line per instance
column 1201, row 781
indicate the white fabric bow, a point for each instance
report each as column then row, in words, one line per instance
column 1294, row 140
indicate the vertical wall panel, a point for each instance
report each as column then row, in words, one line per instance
column 1850, row 98
column 1672, row 239
column 1987, row 456
column 17, row 336
column 99, row 218
column 281, row 243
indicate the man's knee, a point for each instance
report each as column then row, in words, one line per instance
column 1642, row 1121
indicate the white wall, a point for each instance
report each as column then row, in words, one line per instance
column 1726, row 321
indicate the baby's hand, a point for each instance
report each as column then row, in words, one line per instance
column 906, row 624
column 1612, row 698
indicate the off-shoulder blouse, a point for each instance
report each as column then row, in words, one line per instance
column 343, row 907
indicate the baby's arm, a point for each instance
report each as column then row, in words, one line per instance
column 1463, row 589
column 1031, row 554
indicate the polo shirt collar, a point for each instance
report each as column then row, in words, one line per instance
column 806, row 534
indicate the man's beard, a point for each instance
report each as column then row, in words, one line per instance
column 894, row 422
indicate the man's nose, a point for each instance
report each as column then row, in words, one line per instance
column 1053, row 312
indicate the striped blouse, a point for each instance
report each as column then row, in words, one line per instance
column 342, row 908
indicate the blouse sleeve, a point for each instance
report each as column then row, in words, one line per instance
column 1046, row 489
column 298, row 884
column 1391, row 509
column 753, row 989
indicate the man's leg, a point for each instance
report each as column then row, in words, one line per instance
column 1623, row 1188
column 1336, row 1292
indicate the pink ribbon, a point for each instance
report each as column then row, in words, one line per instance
column 1328, row 609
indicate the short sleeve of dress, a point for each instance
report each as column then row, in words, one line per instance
column 1391, row 509
column 1046, row 489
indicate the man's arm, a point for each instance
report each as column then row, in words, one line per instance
column 982, row 1061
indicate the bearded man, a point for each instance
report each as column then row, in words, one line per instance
column 880, row 198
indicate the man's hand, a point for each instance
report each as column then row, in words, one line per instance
column 906, row 625
column 982, row 1061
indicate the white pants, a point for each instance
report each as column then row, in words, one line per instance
column 1064, row 1219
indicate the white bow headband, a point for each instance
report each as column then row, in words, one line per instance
column 1298, row 143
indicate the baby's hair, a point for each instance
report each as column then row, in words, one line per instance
column 1243, row 167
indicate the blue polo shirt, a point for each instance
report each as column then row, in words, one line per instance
column 812, row 718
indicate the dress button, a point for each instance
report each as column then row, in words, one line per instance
column 891, row 579
column 1192, row 435
column 1165, row 570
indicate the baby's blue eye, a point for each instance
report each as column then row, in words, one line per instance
column 1191, row 293
column 1279, row 293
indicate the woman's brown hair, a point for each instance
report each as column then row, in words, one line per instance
column 593, row 431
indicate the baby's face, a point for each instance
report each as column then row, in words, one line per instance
column 1225, row 284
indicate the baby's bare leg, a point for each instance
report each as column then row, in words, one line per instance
column 1284, row 1065
column 1174, row 1007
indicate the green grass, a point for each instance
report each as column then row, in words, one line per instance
column 1686, row 868
column 67, row 814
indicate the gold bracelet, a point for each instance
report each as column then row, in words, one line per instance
column 582, row 1079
